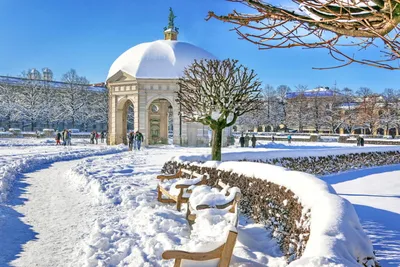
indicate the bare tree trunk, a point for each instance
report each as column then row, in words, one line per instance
column 216, row 144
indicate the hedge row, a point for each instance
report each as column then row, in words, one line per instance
column 267, row 203
column 338, row 163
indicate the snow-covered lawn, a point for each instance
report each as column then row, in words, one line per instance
column 375, row 194
column 123, row 222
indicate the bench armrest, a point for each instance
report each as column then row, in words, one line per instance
column 197, row 256
column 182, row 186
column 167, row 176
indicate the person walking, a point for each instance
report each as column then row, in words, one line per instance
column 65, row 137
column 273, row 138
column 289, row 139
column 246, row 140
column 96, row 136
column 241, row 140
column 358, row 141
column 92, row 137
column 131, row 140
column 253, row 141
column 58, row 138
column 361, row 141
column 102, row 136
column 69, row 138
column 139, row 139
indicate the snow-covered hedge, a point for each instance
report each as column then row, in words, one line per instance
column 336, row 163
column 319, row 162
column 313, row 225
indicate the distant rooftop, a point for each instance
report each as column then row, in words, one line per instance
column 98, row 87
column 317, row 92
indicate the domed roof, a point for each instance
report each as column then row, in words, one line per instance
column 163, row 59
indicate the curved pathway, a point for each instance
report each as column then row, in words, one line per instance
column 60, row 216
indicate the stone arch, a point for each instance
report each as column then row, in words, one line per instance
column 269, row 128
column 160, row 110
column 380, row 131
column 393, row 131
column 121, row 119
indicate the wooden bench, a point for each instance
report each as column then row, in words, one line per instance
column 223, row 253
column 191, row 217
column 181, row 184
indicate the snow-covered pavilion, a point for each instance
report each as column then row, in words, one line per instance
column 146, row 77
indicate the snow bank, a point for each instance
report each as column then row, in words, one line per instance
column 336, row 236
column 12, row 165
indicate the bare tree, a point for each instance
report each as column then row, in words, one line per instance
column 282, row 91
column 368, row 112
column 216, row 93
column 298, row 112
column 348, row 108
column 388, row 110
column 333, row 25
column 317, row 107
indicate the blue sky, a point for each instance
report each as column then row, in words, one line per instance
column 89, row 35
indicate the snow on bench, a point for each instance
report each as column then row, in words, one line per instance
column 205, row 197
column 174, row 187
column 223, row 253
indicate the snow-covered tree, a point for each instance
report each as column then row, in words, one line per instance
column 8, row 100
column 74, row 97
column 216, row 93
column 282, row 91
column 51, row 101
column 30, row 104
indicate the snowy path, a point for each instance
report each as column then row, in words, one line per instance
column 61, row 216
column 375, row 194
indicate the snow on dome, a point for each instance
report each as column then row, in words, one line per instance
column 161, row 59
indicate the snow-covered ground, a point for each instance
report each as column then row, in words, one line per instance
column 375, row 194
column 137, row 228
column 102, row 210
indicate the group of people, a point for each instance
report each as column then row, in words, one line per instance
column 135, row 140
column 244, row 140
column 65, row 136
column 94, row 137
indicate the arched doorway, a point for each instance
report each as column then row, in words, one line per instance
column 392, row 131
column 380, row 131
column 160, row 122
column 130, row 120
column 124, row 120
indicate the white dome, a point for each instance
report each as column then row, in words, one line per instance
column 161, row 59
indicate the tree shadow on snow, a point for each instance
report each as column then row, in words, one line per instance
column 14, row 233
column 355, row 174
column 383, row 228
